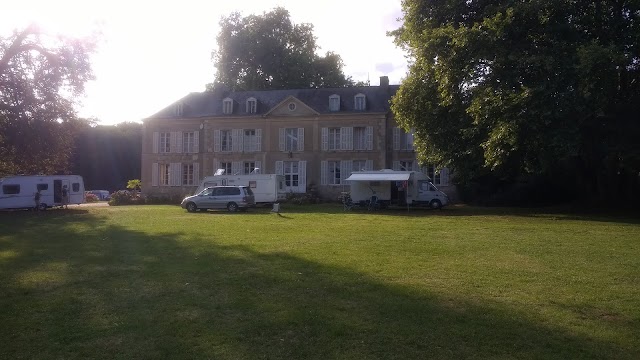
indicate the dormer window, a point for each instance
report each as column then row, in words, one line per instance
column 360, row 103
column 334, row 102
column 227, row 106
column 252, row 105
column 177, row 109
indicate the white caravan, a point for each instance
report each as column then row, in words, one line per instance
column 267, row 188
column 18, row 192
column 390, row 187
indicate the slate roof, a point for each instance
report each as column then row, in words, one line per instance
column 209, row 103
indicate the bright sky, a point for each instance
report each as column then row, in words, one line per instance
column 152, row 53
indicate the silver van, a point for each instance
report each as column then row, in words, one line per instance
column 232, row 198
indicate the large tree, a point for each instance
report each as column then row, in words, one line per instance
column 518, row 88
column 40, row 76
column 268, row 51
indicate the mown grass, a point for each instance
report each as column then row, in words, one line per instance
column 318, row 283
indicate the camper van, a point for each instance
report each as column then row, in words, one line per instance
column 390, row 187
column 267, row 188
column 17, row 192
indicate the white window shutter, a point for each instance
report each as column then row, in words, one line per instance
column 368, row 137
column 279, row 167
column 258, row 140
column 178, row 141
column 196, row 173
column 323, row 172
column 301, row 139
column 346, row 138
column 396, row 165
column 217, row 142
column 156, row 142
column 236, row 140
column 173, row 145
column 196, row 142
column 281, row 134
column 259, row 166
column 346, row 166
column 368, row 165
column 236, row 167
column 154, row 174
column 175, row 174
column 396, row 138
column 444, row 177
column 325, row 139
column 302, row 176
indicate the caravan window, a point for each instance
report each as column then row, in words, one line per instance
column 11, row 189
column 75, row 187
column 43, row 187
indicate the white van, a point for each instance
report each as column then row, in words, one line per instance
column 390, row 187
column 18, row 192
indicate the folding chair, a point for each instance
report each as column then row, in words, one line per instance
column 373, row 203
column 347, row 203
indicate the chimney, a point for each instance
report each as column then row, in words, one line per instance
column 384, row 82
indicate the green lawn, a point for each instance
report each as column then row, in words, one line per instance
column 318, row 283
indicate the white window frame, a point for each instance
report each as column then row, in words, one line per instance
column 189, row 142
column 334, row 140
column 227, row 166
column 360, row 102
column 402, row 141
column 360, row 141
column 227, row 106
column 334, row 102
column 165, row 142
column 248, row 167
column 164, row 174
column 252, row 105
column 188, row 172
column 250, row 142
column 226, row 140
column 334, row 172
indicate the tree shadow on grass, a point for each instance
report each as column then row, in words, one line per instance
column 109, row 292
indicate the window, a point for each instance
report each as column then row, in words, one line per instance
column 10, row 189
column 402, row 140
column 227, row 106
column 406, row 165
column 359, row 165
column 165, row 142
column 359, row 138
column 252, row 105
column 187, row 174
column 249, row 166
column 291, row 174
column 42, row 187
column 226, row 140
column 75, row 187
column 334, row 173
column 292, row 106
column 360, row 102
column 178, row 109
column 291, row 139
column 164, row 174
column 188, row 142
column 227, row 167
column 334, row 103
column 250, row 142
column 433, row 174
column 334, row 138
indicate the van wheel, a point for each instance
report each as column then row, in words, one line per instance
column 42, row 206
column 232, row 207
column 191, row 207
column 435, row 204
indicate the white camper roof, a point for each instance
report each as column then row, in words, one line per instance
column 380, row 176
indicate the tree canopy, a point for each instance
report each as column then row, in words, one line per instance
column 40, row 76
column 513, row 89
column 268, row 51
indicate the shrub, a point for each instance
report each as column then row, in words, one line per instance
column 125, row 197
column 91, row 198
column 166, row 199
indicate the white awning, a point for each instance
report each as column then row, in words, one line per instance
column 379, row 177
